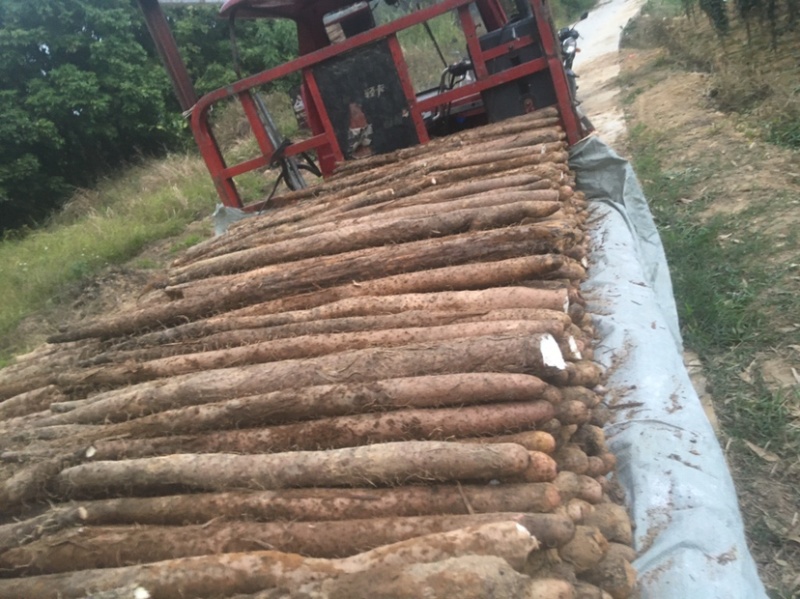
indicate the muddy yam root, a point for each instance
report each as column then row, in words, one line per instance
column 272, row 282
column 466, row 577
column 468, row 301
column 287, row 505
column 296, row 349
column 399, row 226
column 228, row 574
column 107, row 547
column 386, row 464
column 382, row 386
column 343, row 431
column 537, row 354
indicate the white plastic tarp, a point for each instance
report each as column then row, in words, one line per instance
column 225, row 216
column 688, row 533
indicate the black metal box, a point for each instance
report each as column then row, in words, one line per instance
column 364, row 99
column 522, row 95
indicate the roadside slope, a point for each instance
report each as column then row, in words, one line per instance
column 727, row 205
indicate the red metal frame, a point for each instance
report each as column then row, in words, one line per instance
column 474, row 47
column 329, row 153
column 547, row 35
column 165, row 45
column 408, row 88
column 324, row 140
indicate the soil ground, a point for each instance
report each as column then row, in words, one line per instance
column 750, row 189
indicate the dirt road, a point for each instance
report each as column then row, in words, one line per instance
column 598, row 65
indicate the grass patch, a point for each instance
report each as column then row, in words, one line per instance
column 716, row 286
column 108, row 225
column 716, row 294
column 664, row 8
column 785, row 131
column 566, row 12
column 424, row 64
column 761, row 417
column 720, row 271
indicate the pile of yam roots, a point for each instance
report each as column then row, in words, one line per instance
column 379, row 387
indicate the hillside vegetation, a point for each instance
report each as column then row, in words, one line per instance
column 713, row 136
column 715, row 129
column 82, row 91
column 45, row 268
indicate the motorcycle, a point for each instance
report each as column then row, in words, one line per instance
column 568, row 36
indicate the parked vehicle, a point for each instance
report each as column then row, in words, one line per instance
column 568, row 36
column 357, row 92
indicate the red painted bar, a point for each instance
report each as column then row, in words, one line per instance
column 308, row 60
column 569, row 118
column 244, row 167
column 226, row 189
column 251, row 111
column 516, row 44
column 305, row 145
column 475, row 52
column 326, row 142
column 327, row 126
column 168, row 51
column 408, row 88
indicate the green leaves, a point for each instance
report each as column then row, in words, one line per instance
column 78, row 95
column 716, row 10
column 82, row 90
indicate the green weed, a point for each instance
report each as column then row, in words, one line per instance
column 424, row 63
column 720, row 271
column 631, row 95
column 146, row 263
column 147, row 203
column 784, row 131
column 761, row 415
column 185, row 242
column 566, row 12
column 716, row 284
column 665, row 8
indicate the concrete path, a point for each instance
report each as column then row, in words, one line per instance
column 597, row 65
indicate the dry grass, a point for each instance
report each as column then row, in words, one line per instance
column 750, row 74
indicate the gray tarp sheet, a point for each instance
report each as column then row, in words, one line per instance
column 225, row 216
column 688, row 528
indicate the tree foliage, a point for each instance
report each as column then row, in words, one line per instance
column 78, row 94
column 82, row 90
column 716, row 10
column 205, row 44
column 775, row 17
